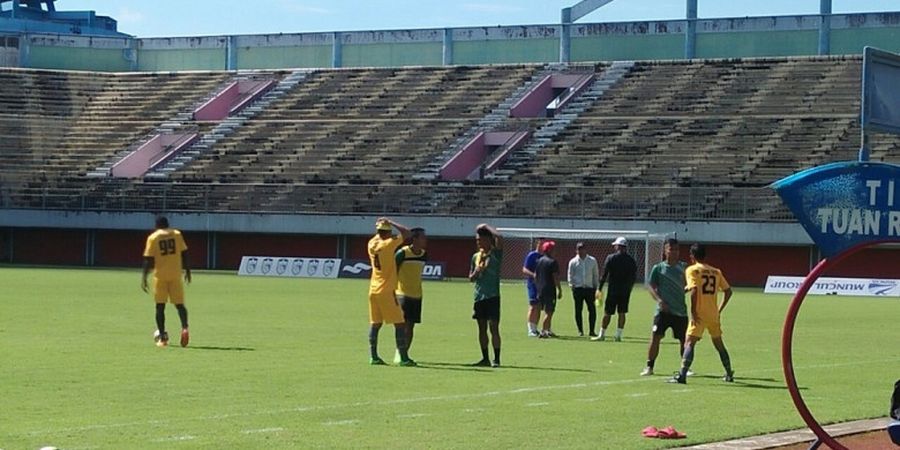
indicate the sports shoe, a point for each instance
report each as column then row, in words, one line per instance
column 408, row 363
column 544, row 335
column 534, row 333
column 729, row 377
column 161, row 340
column 397, row 358
column 690, row 373
column 677, row 378
column 482, row 363
column 599, row 338
column 495, row 364
column 185, row 337
column 647, row 372
column 376, row 361
column 550, row 333
column 618, row 338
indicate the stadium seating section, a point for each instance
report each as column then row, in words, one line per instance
column 670, row 140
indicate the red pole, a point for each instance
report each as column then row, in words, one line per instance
column 787, row 338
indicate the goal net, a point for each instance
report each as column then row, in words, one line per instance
column 646, row 248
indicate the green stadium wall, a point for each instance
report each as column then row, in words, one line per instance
column 181, row 59
column 852, row 40
column 757, row 43
column 284, row 57
column 627, row 47
column 715, row 38
column 391, row 55
column 505, row 51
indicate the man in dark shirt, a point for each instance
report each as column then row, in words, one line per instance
column 546, row 279
column 621, row 271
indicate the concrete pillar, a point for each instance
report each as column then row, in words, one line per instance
column 24, row 51
column 133, row 63
column 690, row 30
column 447, row 57
column 565, row 36
column 336, row 54
column 231, row 53
column 824, row 27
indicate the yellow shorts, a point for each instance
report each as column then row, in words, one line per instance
column 383, row 308
column 171, row 290
column 696, row 328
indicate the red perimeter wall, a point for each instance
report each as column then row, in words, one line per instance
column 742, row 265
column 49, row 246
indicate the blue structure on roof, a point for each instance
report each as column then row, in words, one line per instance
column 41, row 16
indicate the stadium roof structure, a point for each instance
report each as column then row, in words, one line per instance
column 41, row 16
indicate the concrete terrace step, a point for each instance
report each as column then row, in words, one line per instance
column 230, row 124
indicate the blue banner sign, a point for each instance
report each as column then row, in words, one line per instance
column 881, row 91
column 844, row 204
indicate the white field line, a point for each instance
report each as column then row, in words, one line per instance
column 175, row 439
column 429, row 399
column 263, row 430
column 341, row 422
column 412, row 416
column 532, row 405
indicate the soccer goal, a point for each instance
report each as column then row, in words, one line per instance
column 646, row 248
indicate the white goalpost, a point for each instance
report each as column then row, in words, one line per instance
column 646, row 248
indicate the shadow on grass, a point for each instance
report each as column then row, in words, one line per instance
column 227, row 349
column 750, row 382
column 469, row 367
column 609, row 340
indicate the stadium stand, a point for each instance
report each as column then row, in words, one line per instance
column 664, row 139
column 365, row 125
column 57, row 126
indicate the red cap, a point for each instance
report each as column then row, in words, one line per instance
column 547, row 246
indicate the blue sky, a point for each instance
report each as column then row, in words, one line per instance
column 149, row 18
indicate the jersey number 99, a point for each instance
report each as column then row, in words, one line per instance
column 167, row 247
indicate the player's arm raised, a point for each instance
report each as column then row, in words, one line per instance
column 402, row 229
column 498, row 238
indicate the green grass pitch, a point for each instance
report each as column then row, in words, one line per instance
column 282, row 363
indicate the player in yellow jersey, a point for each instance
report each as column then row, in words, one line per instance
column 166, row 254
column 383, row 306
column 410, row 262
column 704, row 283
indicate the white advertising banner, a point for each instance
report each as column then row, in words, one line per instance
column 868, row 287
column 277, row 266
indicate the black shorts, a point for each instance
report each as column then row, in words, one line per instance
column 412, row 308
column 487, row 309
column 616, row 303
column 663, row 321
column 547, row 303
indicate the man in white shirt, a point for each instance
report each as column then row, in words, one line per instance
column 584, row 279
